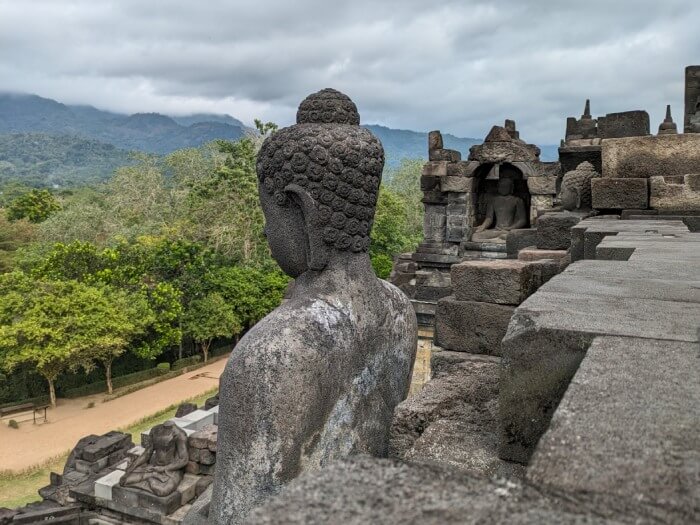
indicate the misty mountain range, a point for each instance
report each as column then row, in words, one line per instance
column 47, row 142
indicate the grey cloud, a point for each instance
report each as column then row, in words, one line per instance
column 459, row 66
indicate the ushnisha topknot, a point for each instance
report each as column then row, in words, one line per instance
column 580, row 180
column 336, row 161
column 328, row 106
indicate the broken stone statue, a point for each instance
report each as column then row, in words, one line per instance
column 160, row 468
column 319, row 377
column 575, row 193
column 504, row 212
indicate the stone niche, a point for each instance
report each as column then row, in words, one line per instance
column 455, row 197
column 504, row 155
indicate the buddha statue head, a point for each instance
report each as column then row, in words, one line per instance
column 575, row 193
column 505, row 186
column 318, row 182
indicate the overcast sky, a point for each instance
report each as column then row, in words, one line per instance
column 459, row 66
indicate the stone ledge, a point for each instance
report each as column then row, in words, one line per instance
column 550, row 332
column 626, row 435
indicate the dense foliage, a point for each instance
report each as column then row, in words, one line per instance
column 168, row 252
column 48, row 161
column 35, row 206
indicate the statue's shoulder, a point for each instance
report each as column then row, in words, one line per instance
column 395, row 295
column 300, row 319
column 400, row 305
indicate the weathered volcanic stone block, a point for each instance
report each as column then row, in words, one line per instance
column 499, row 281
column 435, row 169
column 132, row 497
column 542, row 185
column 458, row 184
column 463, row 168
column 6, row 515
column 626, row 435
column 535, row 254
column 435, row 140
column 471, row 326
column 554, row 230
column 617, row 194
column 429, row 183
column 646, row 297
column 434, row 222
column 643, row 157
column 454, row 420
column 432, row 285
column 106, row 445
column 185, row 408
column 441, row 154
column 678, row 197
column 516, row 240
column 624, row 124
column 391, row 492
column 203, row 438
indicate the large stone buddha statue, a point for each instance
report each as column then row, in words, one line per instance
column 319, row 377
column 504, row 212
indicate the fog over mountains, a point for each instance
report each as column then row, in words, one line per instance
column 47, row 142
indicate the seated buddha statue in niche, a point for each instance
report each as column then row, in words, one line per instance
column 504, row 212
column 318, row 378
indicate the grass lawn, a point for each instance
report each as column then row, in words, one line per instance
column 18, row 489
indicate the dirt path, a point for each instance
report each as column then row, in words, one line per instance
column 70, row 420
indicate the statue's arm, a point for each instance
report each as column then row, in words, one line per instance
column 143, row 458
column 520, row 215
column 183, row 456
column 488, row 221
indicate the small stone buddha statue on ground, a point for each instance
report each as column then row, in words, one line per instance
column 160, row 468
column 319, row 377
column 504, row 212
column 575, row 191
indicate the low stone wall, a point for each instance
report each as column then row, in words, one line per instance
column 644, row 157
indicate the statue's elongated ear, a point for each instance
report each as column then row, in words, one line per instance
column 319, row 251
column 578, row 199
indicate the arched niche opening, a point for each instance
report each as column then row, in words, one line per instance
column 488, row 175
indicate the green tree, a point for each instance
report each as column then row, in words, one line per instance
column 390, row 234
column 59, row 325
column 404, row 181
column 13, row 236
column 133, row 268
column 35, row 206
column 208, row 318
column 251, row 292
column 108, row 325
column 224, row 205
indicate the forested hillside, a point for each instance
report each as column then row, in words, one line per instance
column 42, row 160
column 147, row 132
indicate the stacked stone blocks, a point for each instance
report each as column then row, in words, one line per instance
column 486, row 293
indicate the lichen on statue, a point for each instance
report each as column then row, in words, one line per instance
column 319, row 377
